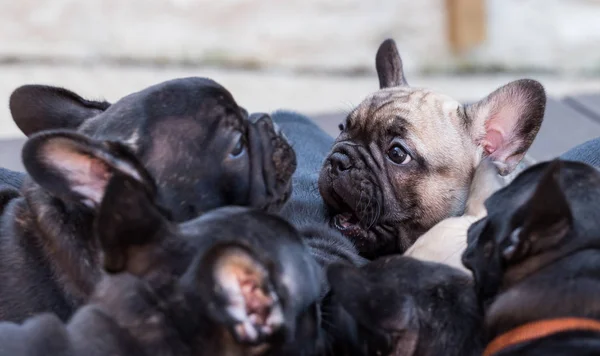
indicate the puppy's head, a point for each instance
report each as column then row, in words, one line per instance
column 190, row 134
column 235, row 281
column 405, row 157
column 547, row 212
column 398, row 305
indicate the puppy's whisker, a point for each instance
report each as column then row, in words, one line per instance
column 377, row 214
column 369, row 204
column 349, row 107
column 361, row 207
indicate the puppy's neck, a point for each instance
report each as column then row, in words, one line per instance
column 566, row 288
column 64, row 233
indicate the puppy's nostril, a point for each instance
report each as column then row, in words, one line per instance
column 340, row 162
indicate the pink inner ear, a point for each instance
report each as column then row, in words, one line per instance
column 499, row 130
column 493, row 139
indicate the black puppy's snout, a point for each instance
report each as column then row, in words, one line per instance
column 266, row 121
column 258, row 116
column 339, row 163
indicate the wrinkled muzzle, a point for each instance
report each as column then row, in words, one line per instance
column 272, row 165
column 351, row 192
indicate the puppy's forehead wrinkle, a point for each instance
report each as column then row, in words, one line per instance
column 373, row 149
column 417, row 108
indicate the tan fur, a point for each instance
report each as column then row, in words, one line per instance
column 406, row 156
column 447, row 240
column 435, row 133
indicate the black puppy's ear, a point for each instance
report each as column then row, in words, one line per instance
column 128, row 217
column 378, row 307
column 547, row 218
column 36, row 108
column 506, row 122
column 389, row 65
column 236, row 286
column 76, row 168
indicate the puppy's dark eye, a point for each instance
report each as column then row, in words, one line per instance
column 341, row 127
column 239, row 148
column 398, row 155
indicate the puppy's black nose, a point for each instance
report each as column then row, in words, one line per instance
column 339, row 162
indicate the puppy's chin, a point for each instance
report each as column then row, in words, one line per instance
column 349, row 225
column 355, row 204
column 371, row 242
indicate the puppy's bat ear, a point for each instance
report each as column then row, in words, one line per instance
column 546, row 218
column 506, row 122
column 238, row 290
column 76, row 168
column 378, row 308
column 128, row 222
column 389, row 66
column 486, row 182
column 36, row 108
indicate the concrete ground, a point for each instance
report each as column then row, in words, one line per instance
column 321, row 96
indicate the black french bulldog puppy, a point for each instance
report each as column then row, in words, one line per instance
column 235, row 281
column 399, row 306
column 189, row 135
column 536, row 262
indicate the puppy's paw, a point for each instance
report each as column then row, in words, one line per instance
column 251, row 300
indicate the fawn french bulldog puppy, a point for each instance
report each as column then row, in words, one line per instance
column 405, row 157
column 188, row 134
column 535, row 259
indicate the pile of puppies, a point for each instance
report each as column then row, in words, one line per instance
column 172, row 222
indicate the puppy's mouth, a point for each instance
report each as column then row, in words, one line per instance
column 349, row 225
column 353, row 219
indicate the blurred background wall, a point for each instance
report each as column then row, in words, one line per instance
column 336, row 36
column 312, row 56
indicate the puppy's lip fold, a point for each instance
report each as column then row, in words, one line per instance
column 348, row 224
column 344, row 221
